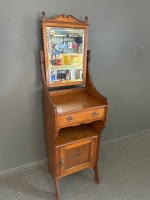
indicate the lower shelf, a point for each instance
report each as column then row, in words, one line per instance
column 74, row 134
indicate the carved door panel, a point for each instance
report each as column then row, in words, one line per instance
column 77, row 156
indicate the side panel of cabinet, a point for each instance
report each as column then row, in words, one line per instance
column 77, row 156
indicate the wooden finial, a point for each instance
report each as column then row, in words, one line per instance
column 86, row 19
column 43, row 15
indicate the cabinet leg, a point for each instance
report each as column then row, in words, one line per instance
column 96, row 173
column 57, row 188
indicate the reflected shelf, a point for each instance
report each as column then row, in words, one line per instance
column 65, row 67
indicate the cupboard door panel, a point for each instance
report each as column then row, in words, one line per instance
column 77, row 156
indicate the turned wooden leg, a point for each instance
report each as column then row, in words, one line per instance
column 96, row 173
column 57, row 188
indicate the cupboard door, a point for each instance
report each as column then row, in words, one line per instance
column 77, row 156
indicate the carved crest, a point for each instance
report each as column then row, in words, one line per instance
column 64, row 19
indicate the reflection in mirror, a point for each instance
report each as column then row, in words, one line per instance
column 65, row 54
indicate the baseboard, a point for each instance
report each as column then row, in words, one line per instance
column 128, row 137
column 23, row 167
column 41, row 162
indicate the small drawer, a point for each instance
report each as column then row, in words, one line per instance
column 77, row 118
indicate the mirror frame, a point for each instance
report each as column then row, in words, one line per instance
column 64, row 21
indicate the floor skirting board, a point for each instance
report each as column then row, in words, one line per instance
column 128, row 137
column 23, row 167
column 41, row 162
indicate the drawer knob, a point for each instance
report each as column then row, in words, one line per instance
column 70, row 118
column 94, row 114
column 77, row 155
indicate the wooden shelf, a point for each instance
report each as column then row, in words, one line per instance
column 74, row 134
column 73, row 100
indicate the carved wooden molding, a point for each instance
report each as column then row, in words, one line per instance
column 64, row 19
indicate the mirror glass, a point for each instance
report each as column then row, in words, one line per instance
column 65, row 47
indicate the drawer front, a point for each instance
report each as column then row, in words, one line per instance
column 81, row 117
column 77, row 156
